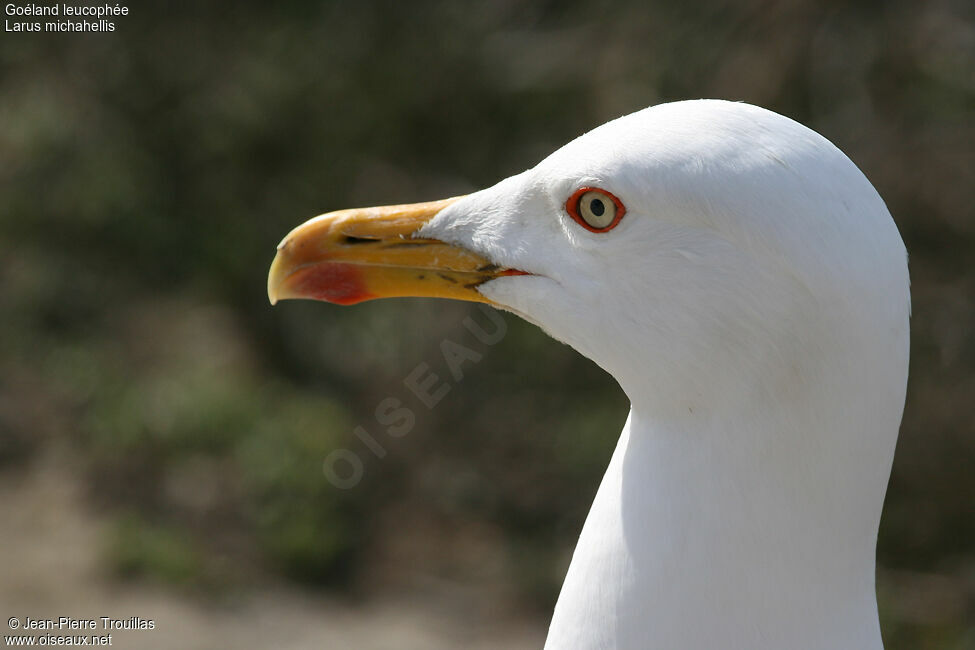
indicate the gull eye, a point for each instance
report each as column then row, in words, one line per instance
column 594, row 209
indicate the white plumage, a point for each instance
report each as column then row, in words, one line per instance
column 753, row 304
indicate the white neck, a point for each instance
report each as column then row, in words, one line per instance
column 696, row 539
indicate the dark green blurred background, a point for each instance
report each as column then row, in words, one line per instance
column 146, row 176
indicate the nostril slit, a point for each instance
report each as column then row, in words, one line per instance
column 352, row 239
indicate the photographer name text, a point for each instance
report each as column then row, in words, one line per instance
column 106, row 623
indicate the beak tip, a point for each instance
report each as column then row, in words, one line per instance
column 274, row 281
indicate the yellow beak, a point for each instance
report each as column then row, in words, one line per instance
column 350, row 256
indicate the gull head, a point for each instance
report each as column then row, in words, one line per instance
column 707, row 254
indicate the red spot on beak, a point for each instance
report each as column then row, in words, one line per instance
column 333, row 282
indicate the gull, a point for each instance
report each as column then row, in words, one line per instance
column 746, row 286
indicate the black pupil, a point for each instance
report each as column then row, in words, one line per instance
column 597, row 207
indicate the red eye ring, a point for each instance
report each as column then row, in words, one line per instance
column 573, row 204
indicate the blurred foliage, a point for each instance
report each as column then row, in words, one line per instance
column 148, row 173
column 139, row 548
